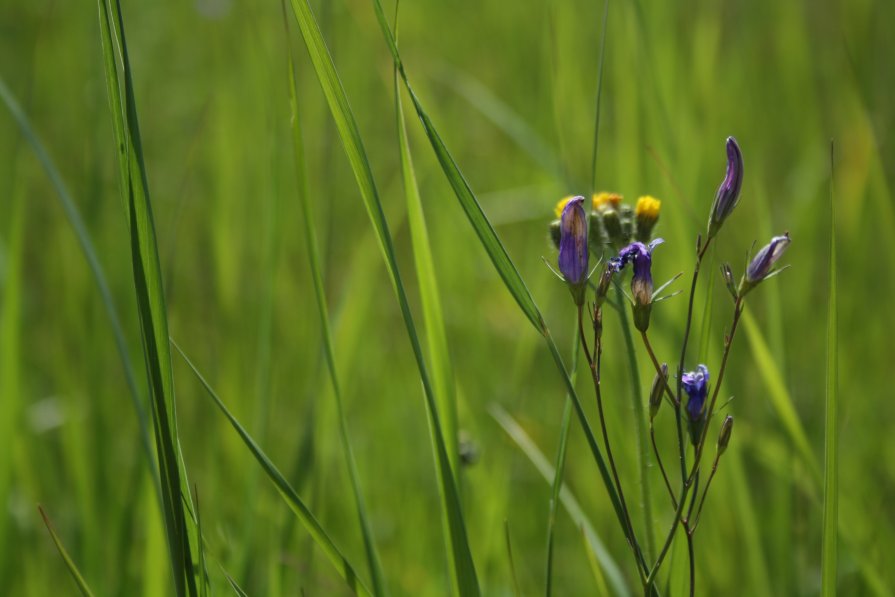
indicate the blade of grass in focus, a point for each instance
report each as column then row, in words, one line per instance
column 69, row 563
column 150, row 295
column 433, row 319
column 310, row 234
column 466, row 581
column 537, row 458
column 504, row 265
column 290, row 496
column 831, row 428
column 513, row 576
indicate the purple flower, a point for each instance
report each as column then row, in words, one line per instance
column 695, row 384
column 764, row 261
column 573, row 242
column 641, row 256
column 728, row 194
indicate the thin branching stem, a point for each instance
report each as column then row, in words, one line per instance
column 728, row 341
column 652, row 435
column 705, row 492
column 593, row 360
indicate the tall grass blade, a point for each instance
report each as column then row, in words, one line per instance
column 462, row 564
column 502, row 262
column 439, row 355
column 150, row 296
column 831, row 427
column 310, row 234
column 69, row 563
column 537, row 458
column 343, row 566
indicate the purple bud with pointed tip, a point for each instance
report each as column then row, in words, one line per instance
column 573, row 252
column 764, row 261
column 728, row 194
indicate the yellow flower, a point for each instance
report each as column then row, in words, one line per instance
column 646, row 214
column 561, row 205
column 647, row 208
column 605, row 199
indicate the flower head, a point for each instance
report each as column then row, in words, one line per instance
column 605, row 200
column 646, row 214
column 728, row 194
column 695, row 384
column 573, row 252
column 764, row 261
column 641, row 256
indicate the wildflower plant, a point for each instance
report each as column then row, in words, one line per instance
column 626, row 236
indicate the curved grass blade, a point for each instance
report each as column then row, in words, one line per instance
column 310, row 234
column 513, row 575
column 831, row 427
column 504, row 265
column 537, row 458
column 344, row 567
column 462, row 564
column 84, row 240
column 69, row 563
column 150, row 296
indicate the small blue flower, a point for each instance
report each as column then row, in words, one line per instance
column 573, row 242
column 695, row 384
column 728, row 194
column 641, row 256
column 764, row 261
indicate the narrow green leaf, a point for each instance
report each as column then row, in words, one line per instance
column 150, row 295
column 462, row 564
column 439, row 356
column 505, row 267
column 829, row 572
column 595, row 569
column 537, row 458
column 310, row 235
column 69, row 563
column 344, row 567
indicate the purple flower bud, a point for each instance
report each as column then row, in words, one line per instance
column 696, row 385
column 728, row 194
column 764, row 261
column 573, row 252
column 641, row 256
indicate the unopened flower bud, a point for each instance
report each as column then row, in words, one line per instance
column 727, row 274
column 655, row 395
column 724, row 435
column 646, row 214
column 573, row 253
column 555, row 234
column 612, row 225
column 603, row 286
column 763, row 263
column 728, row 194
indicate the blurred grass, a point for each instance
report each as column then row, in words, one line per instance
column 679, row 77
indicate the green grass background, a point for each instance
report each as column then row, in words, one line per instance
column 511, row 87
